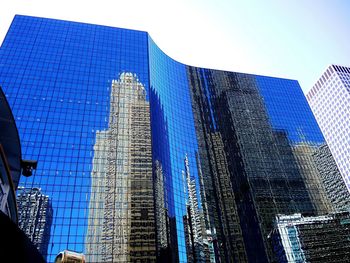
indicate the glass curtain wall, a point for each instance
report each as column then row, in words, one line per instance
column 145, row 159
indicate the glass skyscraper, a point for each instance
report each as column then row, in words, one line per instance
column 146, row 159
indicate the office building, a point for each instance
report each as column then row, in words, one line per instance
column 312, row 239
column 147, row 159
column 329, row 100
column 35, row 217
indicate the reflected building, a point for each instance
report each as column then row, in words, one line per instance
column 120, row 116
column 297, row 238
column 217, row 188
column 266, row 171
column 163, row 179
column 161, row 215
column 121, row 219
column 35, row 216
column 304, row 154
column 194, row 219
column 331, row 178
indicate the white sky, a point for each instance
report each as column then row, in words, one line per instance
column 292, row 39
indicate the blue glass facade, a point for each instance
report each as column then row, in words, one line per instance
column 283, row 97
column 169, row 82
column 63, row 72
column 146, row 159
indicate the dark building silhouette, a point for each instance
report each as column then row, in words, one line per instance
column 15, row 246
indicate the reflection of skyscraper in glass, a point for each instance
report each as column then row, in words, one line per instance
column 303, row 153
column 259, row 154
column 121, row 219
column 161, row 213
column 329, row 100
column 298, row 238
column 35, row 216
column 264, row 174
column 217, row 189
column 241, row 134
column 194, row 226
column 331, row 178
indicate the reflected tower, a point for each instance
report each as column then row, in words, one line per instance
column 35, row 216
column 194, row 219
column 121, row 211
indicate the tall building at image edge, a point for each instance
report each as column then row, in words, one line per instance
column 146, row 159
column 35, row 216
column 329, row 100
